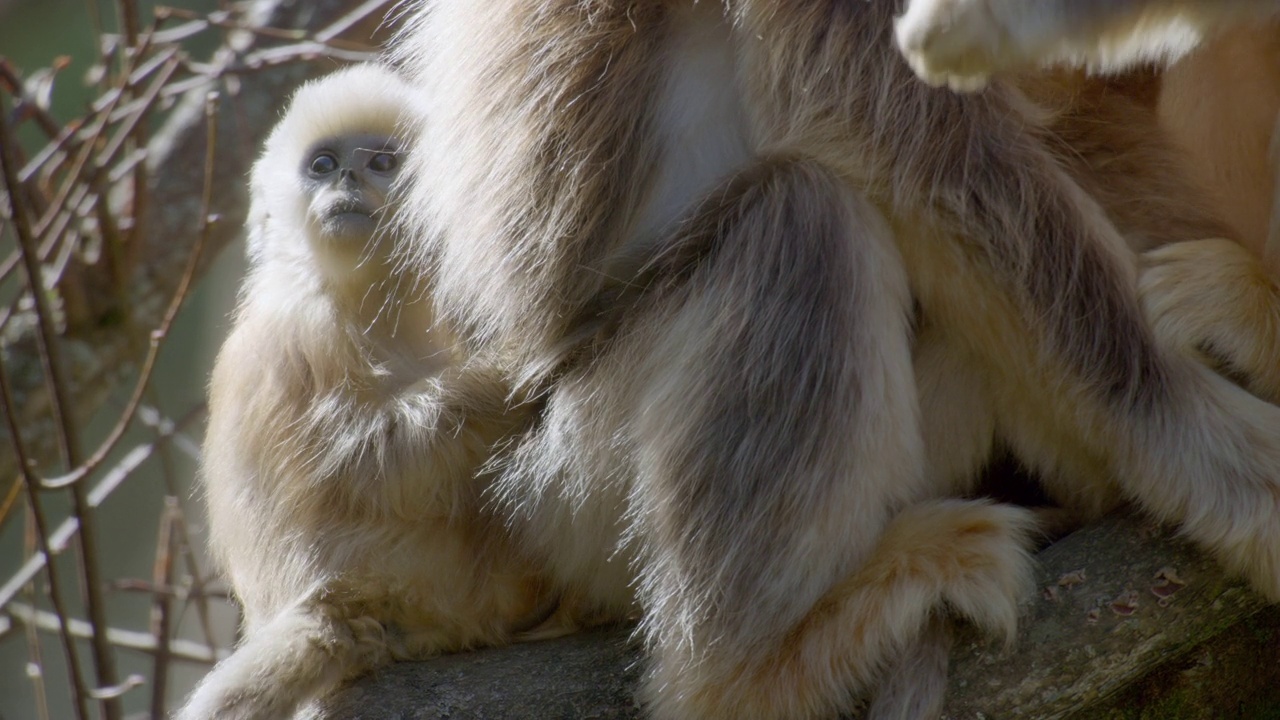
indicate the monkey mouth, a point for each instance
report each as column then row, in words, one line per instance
column 348, row 207
column 349, row 219
column 348, row 214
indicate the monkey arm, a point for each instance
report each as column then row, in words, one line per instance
column 412, row 453
column 563, row 169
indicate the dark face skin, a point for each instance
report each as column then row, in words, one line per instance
column 348, row 179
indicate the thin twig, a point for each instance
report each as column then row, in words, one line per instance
column 351, row 19
column 184, row 650
column 30, row 257
column 146, row 587
column 127, row 11
column 162, row 576
column 67, row 432
column 171, row 430
column 95, row 128
column 198, row 593
column 79, row 693
column 35, row 657
column 160, row 333
column 226, row 21
column 27, row 105
column 182, row 535
column 51, row 245
column 10, row 499
column 95, row 23
column 122, row 256
column 89, row 565
column 110, row 481
column 301, row 52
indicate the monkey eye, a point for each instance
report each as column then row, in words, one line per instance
column 323, row 164
column 383, row 162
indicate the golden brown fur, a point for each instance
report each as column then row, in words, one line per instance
column 1221, row 106
column 707, row 229
column 344, row 442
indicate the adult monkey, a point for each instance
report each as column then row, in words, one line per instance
column 746, row 428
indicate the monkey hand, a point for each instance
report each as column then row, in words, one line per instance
column 961, row 43
column 1214, row 297
column 303, row 652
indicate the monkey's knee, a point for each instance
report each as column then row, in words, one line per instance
column 787, row 293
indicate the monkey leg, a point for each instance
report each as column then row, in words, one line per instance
column 1088, row 396
column 1018, row 264
column 302, row 653
column 1215, row 296
column 777, row 443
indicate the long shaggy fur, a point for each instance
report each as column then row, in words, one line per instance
column 707, row 228
column 1219, row 102
column 345, row 440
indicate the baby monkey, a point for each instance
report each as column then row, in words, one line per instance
column 347, row 431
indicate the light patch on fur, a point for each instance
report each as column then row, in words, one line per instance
column 699, row 122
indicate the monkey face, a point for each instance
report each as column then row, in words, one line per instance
column 347, row 180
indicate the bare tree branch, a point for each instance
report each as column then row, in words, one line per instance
column 99, row 358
